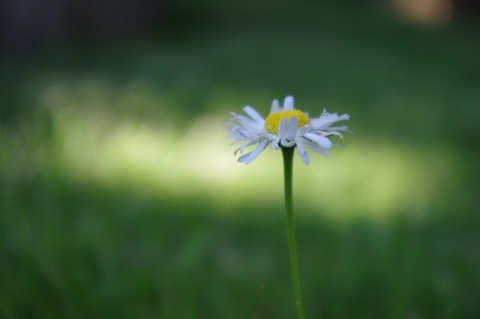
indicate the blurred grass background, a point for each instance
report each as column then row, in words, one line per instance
column 120, row 197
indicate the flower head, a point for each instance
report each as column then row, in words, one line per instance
column 283, row 127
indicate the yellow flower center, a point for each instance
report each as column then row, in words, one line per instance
column 273, row 119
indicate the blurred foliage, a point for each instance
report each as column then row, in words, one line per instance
column 119, row 197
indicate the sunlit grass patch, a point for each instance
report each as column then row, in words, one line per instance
column 371, row 177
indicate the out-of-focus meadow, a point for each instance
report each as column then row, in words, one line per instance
column 121, row 198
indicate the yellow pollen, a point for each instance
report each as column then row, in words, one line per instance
column 273, row 119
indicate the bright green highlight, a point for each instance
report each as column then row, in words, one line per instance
column 273, row 119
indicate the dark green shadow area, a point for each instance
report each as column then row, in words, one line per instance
column 79, row 248
column 402, row 82
column 75, row 250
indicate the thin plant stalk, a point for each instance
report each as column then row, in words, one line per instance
column 292, row 246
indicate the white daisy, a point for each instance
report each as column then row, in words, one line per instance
column 283, row 127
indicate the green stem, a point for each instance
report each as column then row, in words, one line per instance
column 292, row 246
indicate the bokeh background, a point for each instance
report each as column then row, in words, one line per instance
column 121, row 198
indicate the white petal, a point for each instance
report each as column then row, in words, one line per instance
column 327, row 119
column 244, row 145
column 305, row 158
column 275, row 143
column 322, row 141
column 288, row 103
column 315, row 147
column 254, row 114
column 333, row 133
column 243, row 158
column 302, row 152
column 287, row 131
column 303, row 130
column 275, row 107
column 250, row 157
column 247, row 122
column 282, row 128
column 300, row 146
column 287, row 143
column 291, row 128
column 338, row 128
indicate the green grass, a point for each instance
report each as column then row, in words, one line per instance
column 120, row 198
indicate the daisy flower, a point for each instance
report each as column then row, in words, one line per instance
column 284, row 127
